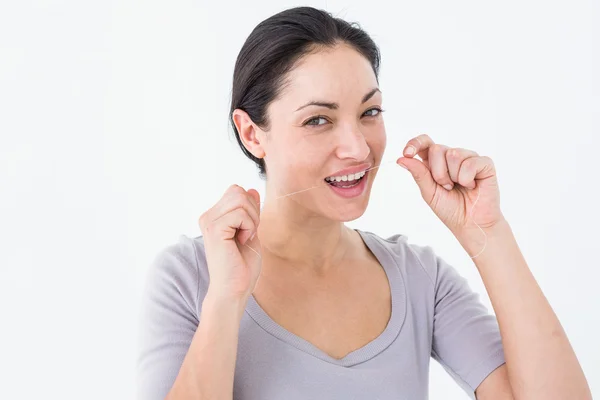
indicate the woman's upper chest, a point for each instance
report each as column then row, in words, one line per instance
column 339, row 313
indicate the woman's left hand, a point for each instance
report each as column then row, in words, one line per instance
column 449, row 180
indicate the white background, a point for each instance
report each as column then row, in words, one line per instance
column 114, row 139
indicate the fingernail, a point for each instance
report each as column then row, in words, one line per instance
column 448, row 187
column 410, row 150
column 403, row 166
column 252, row 237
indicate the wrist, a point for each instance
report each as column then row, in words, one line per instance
column 473, row 239
column 224, row 301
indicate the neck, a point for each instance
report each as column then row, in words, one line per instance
column 292, row 235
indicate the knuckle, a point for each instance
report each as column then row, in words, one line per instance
column 240, row 193
column 468, row 152
column 424, row 136
column 235, row 189
column 233, row 198
column 453, row 153
column 469, row 163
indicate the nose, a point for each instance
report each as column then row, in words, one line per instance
column 352, row 143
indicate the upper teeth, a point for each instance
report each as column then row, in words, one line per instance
column 350, row 177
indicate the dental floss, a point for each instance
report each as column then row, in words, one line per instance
column 387, row 163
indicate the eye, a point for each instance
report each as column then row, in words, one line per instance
column 315, row 121
column 373, row 112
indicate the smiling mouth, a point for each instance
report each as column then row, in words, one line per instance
column 348, row 183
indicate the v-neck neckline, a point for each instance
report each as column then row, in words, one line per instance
column 372, row 348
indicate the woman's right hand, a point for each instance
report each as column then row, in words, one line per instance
column 227, row 227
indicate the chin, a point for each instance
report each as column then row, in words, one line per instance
column 351, row 215
column 345, row 210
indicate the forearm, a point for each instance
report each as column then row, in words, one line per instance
column 540, row 361
column 208, row 368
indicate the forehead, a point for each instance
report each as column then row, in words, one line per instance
column 330, row 74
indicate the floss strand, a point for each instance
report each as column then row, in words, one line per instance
column 387, row 163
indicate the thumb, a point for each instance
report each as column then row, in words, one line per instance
column 421, row 175
column 251, row 249
column 256, row 197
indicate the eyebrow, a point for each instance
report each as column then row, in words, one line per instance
column 335, row 106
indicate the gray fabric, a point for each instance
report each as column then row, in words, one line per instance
column 435, row 315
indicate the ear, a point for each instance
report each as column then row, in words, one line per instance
column 250, row 134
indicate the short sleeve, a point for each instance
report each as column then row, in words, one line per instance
column 168, row 318
column 466, row 337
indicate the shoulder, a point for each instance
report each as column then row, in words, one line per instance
column 178, row 271
column 416, row 261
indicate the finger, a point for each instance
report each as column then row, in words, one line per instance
column 234, row 197
column 421, row 175
column 251, row 195
column 238, row 200
column 419, row 146
column 474, row 168
column 454, row 158
column 235, row 222
column 439, row 166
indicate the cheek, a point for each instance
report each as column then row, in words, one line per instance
column 376, row 137
column 308, row 156
column 294, row 158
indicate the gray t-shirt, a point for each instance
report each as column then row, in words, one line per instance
column 435, row 315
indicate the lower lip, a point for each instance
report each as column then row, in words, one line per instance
column 353, row 191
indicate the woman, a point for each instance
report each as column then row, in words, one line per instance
column 341, row 313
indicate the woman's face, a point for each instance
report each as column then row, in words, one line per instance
column 326, row 120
